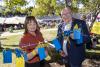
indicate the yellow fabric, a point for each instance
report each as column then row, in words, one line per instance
column 96, row 28
column 48, row 58
column 76, row 26
column 42, row 45
column 20, row 62
column 33, row 52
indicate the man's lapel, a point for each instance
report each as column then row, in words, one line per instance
column 73, row 24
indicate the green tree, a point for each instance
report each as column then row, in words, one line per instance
column 59, row 7
column 92, row 6
column 14, row 5
column 46, row 7
column 73, row 4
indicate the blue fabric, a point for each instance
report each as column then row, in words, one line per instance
column 77, row 34
column 67, row 33
column 18, row 52
column 25, row 56
column 57, row 44
column 80, row 41
column 41, row 52
column 7, row 56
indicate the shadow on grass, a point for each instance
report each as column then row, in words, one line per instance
column 93, row 55
column 11, row 45
column 3, row 47
column 3, row 39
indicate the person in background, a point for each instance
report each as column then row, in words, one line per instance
column 1, row 29
column 4, row 26
column 94, row 41
column 74, row 53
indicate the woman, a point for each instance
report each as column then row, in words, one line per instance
column 32, row 37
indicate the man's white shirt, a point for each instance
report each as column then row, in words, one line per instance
column 67, row 27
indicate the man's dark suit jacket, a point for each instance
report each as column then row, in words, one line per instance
column 75, row 54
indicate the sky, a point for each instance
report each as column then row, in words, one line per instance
column 1, row 2
column 30, row 3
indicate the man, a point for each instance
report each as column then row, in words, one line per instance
column 74, row 52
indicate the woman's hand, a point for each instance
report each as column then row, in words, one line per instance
column 30, row 56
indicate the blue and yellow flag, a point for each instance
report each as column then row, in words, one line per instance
column 20, row 62
column 42, row 53
column 57, row 44
column 7, row 56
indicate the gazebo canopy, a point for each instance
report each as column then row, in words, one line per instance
column 12, row 20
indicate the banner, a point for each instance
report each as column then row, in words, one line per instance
column 77, row 34
column 20, row 62
column 80, row 41
column 18, row 52
column 7, row 56
column 56, row 44
column 42, row 54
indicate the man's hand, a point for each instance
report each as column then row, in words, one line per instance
column 72, row 35
column 62, row 53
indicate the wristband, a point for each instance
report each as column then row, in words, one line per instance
column 34, row 52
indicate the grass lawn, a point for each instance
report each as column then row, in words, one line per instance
column 49, row 34
column 13, row 40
